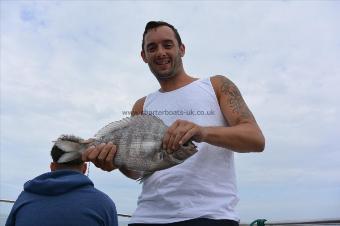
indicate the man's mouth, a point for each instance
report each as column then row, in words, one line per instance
column 163, row 61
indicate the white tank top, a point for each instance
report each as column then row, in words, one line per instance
column 205, row 184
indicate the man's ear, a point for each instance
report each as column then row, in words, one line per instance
column 53, row 166
column 182, row 50
column 84, row 168
column 142, row 53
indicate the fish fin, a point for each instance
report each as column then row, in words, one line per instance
column 88, row 141
column 175, row 160
column 68, row 146
column 69, row 156
column 69, row 143
column 128, row 121
column 144, row 176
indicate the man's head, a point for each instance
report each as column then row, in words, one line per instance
column 162, row 50
column 76, row 164
column 155, row 24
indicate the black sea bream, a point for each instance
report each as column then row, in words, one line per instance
column 139, row 145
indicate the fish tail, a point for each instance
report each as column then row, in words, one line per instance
column 72, row 147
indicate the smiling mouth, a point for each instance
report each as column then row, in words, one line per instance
column 163, row 61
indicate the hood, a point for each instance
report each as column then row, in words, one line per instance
column 57, row 182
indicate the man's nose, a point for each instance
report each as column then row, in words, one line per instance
column 161, row 51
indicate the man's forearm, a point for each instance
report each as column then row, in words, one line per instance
column 241, row 138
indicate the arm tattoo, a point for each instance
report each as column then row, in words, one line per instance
column 235, row 100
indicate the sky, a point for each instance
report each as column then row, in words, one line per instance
column 71, row 67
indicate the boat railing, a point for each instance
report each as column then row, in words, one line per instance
column 258, row 222
column 12, row 201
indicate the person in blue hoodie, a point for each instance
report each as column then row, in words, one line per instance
column 62, row 197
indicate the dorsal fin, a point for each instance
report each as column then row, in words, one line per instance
column 128, row 121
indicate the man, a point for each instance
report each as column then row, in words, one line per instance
column 212, row 112
column 64, row 196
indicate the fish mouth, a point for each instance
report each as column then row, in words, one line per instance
column 189, row 143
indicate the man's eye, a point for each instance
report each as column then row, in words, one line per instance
column 168, row 46
column 151, row 49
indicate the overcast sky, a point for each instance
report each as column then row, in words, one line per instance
column 73, row 66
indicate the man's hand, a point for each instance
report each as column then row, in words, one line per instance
column 102, row 156
column 179, row 133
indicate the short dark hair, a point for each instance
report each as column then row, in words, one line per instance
column 56, row 153
column 154, row 24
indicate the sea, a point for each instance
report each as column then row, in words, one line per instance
column 3, row 218
column 122, row 221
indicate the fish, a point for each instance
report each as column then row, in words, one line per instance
column 139, row 145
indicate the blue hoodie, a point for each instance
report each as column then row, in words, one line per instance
column 62, row 198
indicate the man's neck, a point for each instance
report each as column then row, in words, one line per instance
column 176, row 82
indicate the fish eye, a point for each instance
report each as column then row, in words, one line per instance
column 161, row 156
column 186, row 144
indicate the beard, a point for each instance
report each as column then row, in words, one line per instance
column 168, row 74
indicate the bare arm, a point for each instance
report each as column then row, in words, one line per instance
column 242, row 135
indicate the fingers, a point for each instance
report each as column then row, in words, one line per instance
column 102, row 156
column 179, row 133
column 111, row 152
column 168, row 138
column 93, row 153
column 105, row 150
column 188, row 135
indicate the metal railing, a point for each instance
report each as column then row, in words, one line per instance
column 263, row 222
column 12, row 201
column 258, row 222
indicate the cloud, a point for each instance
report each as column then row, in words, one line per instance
column 71, row 67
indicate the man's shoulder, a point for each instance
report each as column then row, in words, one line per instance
column 218, row 78
column 141, row 101
column 100, row 193
column 102, row 197
column 138, row 107
column 216, row 82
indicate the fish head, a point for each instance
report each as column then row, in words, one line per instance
column 185, row 151
column 164, row 160
column 159, row 160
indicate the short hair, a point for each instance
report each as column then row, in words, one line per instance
column 56, row 153
column 154, row 24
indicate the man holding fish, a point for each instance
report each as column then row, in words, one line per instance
column 201, row 190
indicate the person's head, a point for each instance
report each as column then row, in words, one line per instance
column 155, row 24
column 76, row 164
column 162, row 49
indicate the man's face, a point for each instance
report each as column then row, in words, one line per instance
column 162, row 53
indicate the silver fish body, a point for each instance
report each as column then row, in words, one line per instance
column 139, row 145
